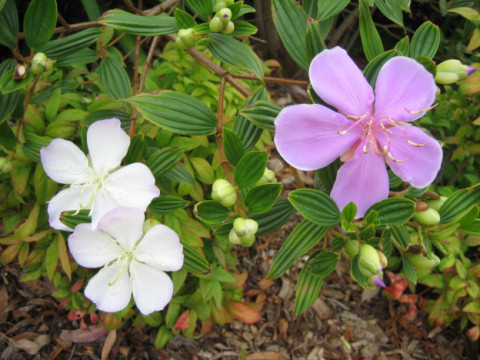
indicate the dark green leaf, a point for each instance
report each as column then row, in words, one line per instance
column 373, row 68
column 391, row 9
column 33, row 144
column 243, row 28
column 457, row 204
column 166, row 204
column 181, row 174
column 184, row 20
column 8, row 102
column 232, row 146
column 403, row 46
column 291, row 23
column 400, row 233
column 137, row 149
column 393, row 211
column 79, row 57
column 425, row 41
column 274, row 218
column 322, row 263
column 311, row 8
column 92, row 9
column 114, row 78
column 73, row 218
column 108, row 114
column 177, row 112
column 371, row 41
column 262, row 113
column 39, row 22
column 164, row 160
column 9, row 24
column 211, row 212
column 409, row 271
column 194, row 262
column 306, row 290
column 203, row 8
column 261, row 198
column 245, row 9
column 138, row 24
column 7, row 137
column 227, row 49
column 250, row 168
column 9, row 85
column 70, row 44
column 314, row 42
column 329, row 8
column 315, row 206
column 326, row 176
column 305, row 236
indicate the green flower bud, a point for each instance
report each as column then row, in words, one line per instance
column 451, row 71
column 219, row 6
column 248, row 240
column 180, row 43
column 268, row 177
column 150, row 223
column 188, row 37
column 429, row 217
column 234, row 238
column 446, row 262
column 244, row 227
column 229, row 2
column 3, row 162
column 420, row 261
column 383, row 259
column 229, row 28
column 215, row 25
column 436, row 204
column 352, row 247
column 39, row 63
column 49, row 65
column 369, row 260
column 224, row 193
column 7, row 167
column 225, row 15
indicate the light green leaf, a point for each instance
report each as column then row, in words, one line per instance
column 184, row 20
column 243, row 28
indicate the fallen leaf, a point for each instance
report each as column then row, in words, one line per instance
column 266, row 355
column 108, row 345
column 31, row 343
column 3, row 304
column 92, row 333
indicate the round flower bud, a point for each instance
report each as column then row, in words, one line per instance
column 268, row 177
column 451, row 71
column 224, row 193
column 245, row 226
column 180, row 43
column 229, row 28
column 352, row 247
column 188, row 37
column 429, row 217
column 436, row 204
column 219, row 6
column 248, row 240
column 20, row 72
column 368, row 260
column 225, row 15
column 420, row 261
column 215, row 25
column 234, row 238
column 48, row 65
column 39, row 63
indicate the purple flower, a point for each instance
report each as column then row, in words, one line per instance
column 367, row 130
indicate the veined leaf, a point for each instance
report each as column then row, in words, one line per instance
column 371, row 41
column 306, row 290
column 39, row 22
column 203, row 8
column 457, row 204
column 164, row 160
column 9, row 24
column 250, row 168
column 194, row 262
column 138, row 24
column 274, row 218
column 261, row 198
column 425, row 41
column 232, row 146
column 63, row 47
column 329, row 8
column 393, row 211
column 373, row 68
column 165, row 204
column 262, row 113
column 211, row 212
column 114, row 78
column 391, row 9
column 314, row 41
column 184, row 20
column 315, row 206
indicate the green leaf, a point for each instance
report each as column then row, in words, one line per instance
column 250, row 168
column 245, row 9
column 349, row 212
column 164, row 160
column 73, row 218
column 51, row 258
column 177, row 112
column 203, row 8
column 7, row 137
column 138, row 24
column 203, row 169
column 305, row 236
column 274, row 218
column 114, row 78
column 391, row 9
column 373, row 68
column 356, row 274
column 9, row 85
column 403, row 46
column 261, row 198
column 33, row 144
column 425, row 41
column 371, row 41
column 9, row 24
column 306, row 290
column 193, row 261
column 315, row 206
column 64, row 47
column 167, row 204
column 322, row 263
column 243, row 28
column 181, row 174
column 409, row 271
column 314, row 41
column 471, row 228
column 326, row 176
column 329, row 8
column 39, row 22
column 247, row 131
column 137, row 149
column 233, row 147
column 227, row 49
column 311, row 8
column 457, row 204
column 211, row 212
column 8, row 103
column 92, row 9
column 184, row 20
column 262, row 114
column 291, row 23
column 108, row 114
column 393, row 211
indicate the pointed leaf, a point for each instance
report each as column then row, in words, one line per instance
column 211, row 212
column 393, row 211
column 457, row 204
column 425, row 41
column 167, row 204
column 391, row 9
column 329, row 8
column 261, row 198
column 250, row 168
column 114, row 78
column 306, row 290
column 65, row 46
column 164, row 160
column 203, row 8
column 371, row 41
column 39, row 22
column 274, row 218
column 315, row 206
column 9, row 24
column 233, row 147
column 262, row 113
column 138, row 24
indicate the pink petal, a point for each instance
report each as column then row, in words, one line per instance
column 340, row 83
column 404, row 90
column 64, row 162
column 124, row 224
column 152, row 288
column 160, row 248
column 307, row 136
column 107, row 144
column 417, row 165
column 363, row 180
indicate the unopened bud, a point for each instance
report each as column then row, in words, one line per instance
column 219, row 6
column 369, row 260
column 234, row 238
column 180, row 43
column 229, row 28
column 450, row 71
column 268, row 177
column 436, row 204
column 188, row 37
column 39, row 63
column 20, row 72
column 243, row 232
column 421, row 261
column 352, row 247
column 215, row 25
column 429, row 217
column 383, row 259
column 224, row 193
column 225, row 15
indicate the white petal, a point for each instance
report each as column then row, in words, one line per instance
column 110, row 289
column 92, row 249
column 132, row 186
column 152, row 289
column 64, row 162
column 75, row 197
column 124, row 224
column 161, row 248
column 102, row 204
column 107, row 144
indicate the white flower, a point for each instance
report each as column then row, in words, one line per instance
column 132, row 262
column 97, row 182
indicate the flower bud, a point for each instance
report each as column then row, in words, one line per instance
column 447, row 262
column 421, row 261
column 429, row 217
column 268, row 177
column 436, row 204
column 215, row 25
column 450, row 71
column 20, row 72
column 229, row 28
column 225, row 15
column 49, row 65
column 234, row 238
column 352, row 247
column 383, row 259
column 224, row 193
column 369, row 261
column 39, row 63
column 180, row 43
column 219, row 6
column 243, row 232
column 188, row 37
column 6, row 167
